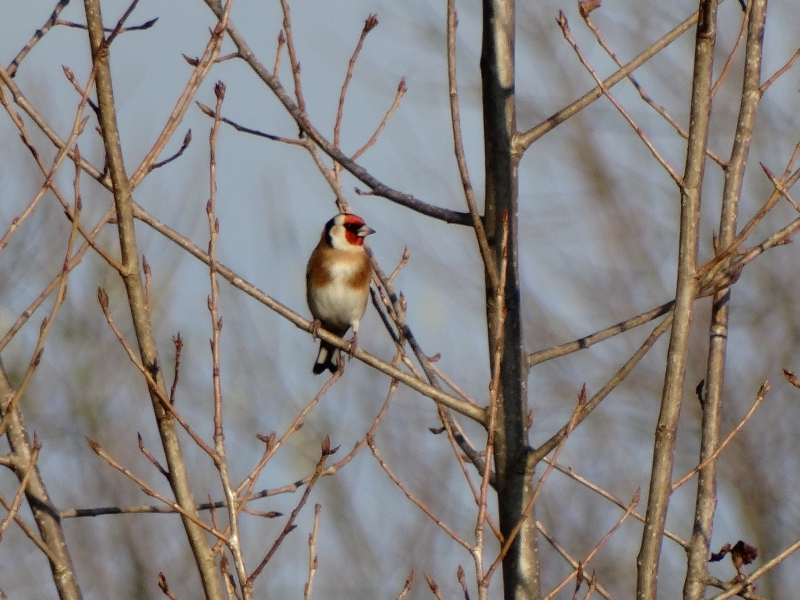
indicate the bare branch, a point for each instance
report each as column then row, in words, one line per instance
column 37, row 36
column 524, row 140
column 685, row 295
column 564, row 25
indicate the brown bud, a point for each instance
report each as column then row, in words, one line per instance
column 587, row 6
column 219, row 91
column 371, row 23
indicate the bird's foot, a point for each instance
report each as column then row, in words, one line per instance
column 314, row 327
column 351, row 349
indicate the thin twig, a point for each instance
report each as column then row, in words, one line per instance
column 526, row 139
column 608, row 496
column 221, row 462
column 77, row 128
column 150, row 491
column 406, row 587
column 564, row 24
column 187, row 139
column 567, row 557
column 277, row 66
column 642, row 93
column 401, row 91
column 287, row 28
column 272, row 447
column 208, row 111
column 37, row 36
column 143, row 449
column 634, row 501
column 29, row 532
column 297, row 112
column 142, row 27
column 151, row 382
column 178, row 341
column 729, row 61
column 370, row 24
column 326, row 452
column 590, row 340
column 762, row 392
column 458, row 147
column 420, row 504
column 74, row 261
column 780, row 72
column 312, row 554
column 618, row 377
column 200, row 72
column 47, row 324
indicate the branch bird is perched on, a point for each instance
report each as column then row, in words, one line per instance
column 337, row 283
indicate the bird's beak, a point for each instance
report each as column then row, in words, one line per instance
column 364, row 231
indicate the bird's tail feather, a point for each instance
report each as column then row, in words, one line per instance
column 328, row 358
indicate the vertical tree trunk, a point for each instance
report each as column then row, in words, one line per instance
column 705, row 505
column 685, row 294
column 131, row 277
column 45, row 515
column 520, row 566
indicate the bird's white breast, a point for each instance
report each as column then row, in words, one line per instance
column 337, row 303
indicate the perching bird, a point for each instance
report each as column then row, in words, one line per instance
column 337, row 283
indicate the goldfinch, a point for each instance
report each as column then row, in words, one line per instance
column 337, row 283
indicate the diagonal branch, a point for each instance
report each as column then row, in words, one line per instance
column 297, row 112
column 463, row 407
column 524, row 140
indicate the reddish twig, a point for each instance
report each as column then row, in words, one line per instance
column 634, row 501
column 726, row 67
column 762, row 392
column 420, row 504
column 162, row 585
column 563, row 23
column 779, row 72
column 406, row 587
column 151, row 383
column 370, row 24
column 326, row 452
column 642, row 93
column 567, row 557
column 143, row 449
column 150, row 491
column 178, row 341
column 287, row 28
column 401, row 90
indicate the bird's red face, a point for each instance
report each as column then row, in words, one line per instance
column 355, row 230
column 347, row 232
